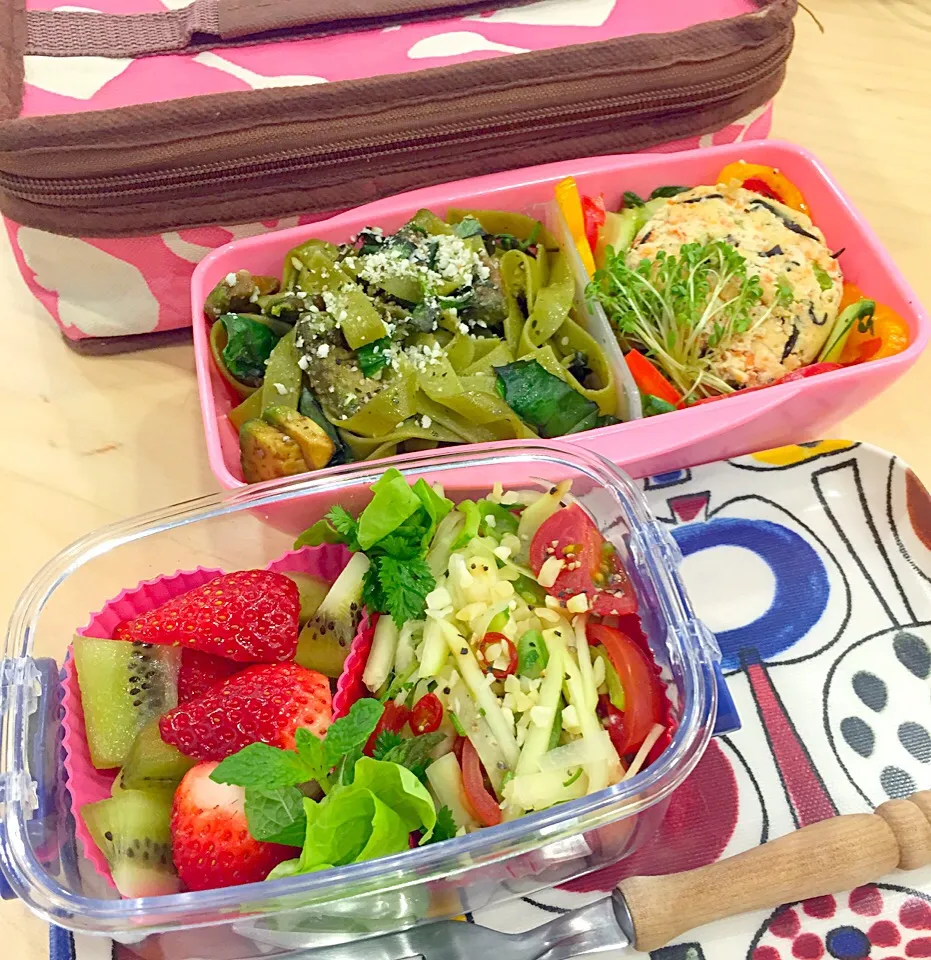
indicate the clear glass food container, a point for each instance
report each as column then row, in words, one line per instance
column 44, row 865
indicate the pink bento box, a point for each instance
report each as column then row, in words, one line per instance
column 788, row 413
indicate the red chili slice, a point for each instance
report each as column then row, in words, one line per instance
column 498, row 639
column 427, row 714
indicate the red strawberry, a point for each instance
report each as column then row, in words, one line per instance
column 210, row 840
column 200, row 671
column 250, row 616
column 265, row 703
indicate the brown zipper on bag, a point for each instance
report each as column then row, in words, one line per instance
column 262, row 154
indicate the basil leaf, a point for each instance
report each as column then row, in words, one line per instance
column 249, row 343
column 544, row 401
column 259, row 765
column 276, row 816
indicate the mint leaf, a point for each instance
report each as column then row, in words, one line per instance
column 259, row 765
column 387, row 740
column 312, row 754
column 404, row 585
column 351, row 731
column 276, row 816
column 346, row 768
column 414, row 753
column 445, row 828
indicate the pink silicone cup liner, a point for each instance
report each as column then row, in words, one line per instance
column 85, row 783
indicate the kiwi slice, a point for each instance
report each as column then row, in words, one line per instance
column 324, row 642
column 312, row 591
column 123, row 685
column 133, row 831
column 153, row 763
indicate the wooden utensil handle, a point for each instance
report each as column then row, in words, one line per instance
column 819, row 859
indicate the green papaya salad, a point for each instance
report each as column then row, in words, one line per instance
column 507, row 644
column 447, row 331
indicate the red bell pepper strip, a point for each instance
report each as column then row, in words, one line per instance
column 766, row 181
column 649, row 380
column 594, row 216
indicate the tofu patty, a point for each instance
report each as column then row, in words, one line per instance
column 778, row 244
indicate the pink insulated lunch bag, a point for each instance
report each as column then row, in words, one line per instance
column 137, row 135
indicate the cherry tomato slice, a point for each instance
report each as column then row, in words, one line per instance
column 498, row 639
column 427, row 714
column 483, row 805
column 393, row 718
column 592, row 566
column 642, row 694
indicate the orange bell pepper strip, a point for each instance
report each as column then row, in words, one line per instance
column 570, row 203
column 649, row 380
column 883, row 335
column 767, row 181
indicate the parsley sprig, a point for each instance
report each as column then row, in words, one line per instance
column 394, row 531
column 686, row 310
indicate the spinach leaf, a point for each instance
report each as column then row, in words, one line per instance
column 249, row 343
column 374, row 356
column 544, row 401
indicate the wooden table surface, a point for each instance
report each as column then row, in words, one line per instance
column 94, row 439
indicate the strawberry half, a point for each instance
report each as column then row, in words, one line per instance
column 250, row 616
column 200, row 671
column 210, row 840
column 260, row 704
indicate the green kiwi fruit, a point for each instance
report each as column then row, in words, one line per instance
column 153, row 763
column 312, row 591
column 133, row 831
column 123, row 686
column 324, row 642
